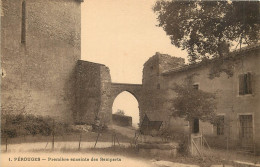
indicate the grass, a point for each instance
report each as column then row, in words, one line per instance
column 85, row 137
column 232, row 155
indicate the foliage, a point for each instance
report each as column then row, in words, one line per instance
column 26, row 124
column 208, row 29
column 191, row 103
column 9, row 132
column 120, row 112
column 183, row 148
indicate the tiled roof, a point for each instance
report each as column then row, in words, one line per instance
column 194, row 65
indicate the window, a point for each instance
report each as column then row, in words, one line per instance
column 245, row 84
column 220, row 125
column 196, row 86
column 23, row 24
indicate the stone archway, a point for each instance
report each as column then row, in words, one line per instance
column 127, row 103
column 133, row 89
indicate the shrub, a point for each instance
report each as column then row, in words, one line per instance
column 9, row 132
column 183, row 146
column 27, row 124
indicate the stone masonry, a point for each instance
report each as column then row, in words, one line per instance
column 40, row 45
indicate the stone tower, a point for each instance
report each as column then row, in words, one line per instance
column 155, row 66
column 153, row 89
column 40, row 45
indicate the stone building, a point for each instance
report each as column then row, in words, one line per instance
column 40, row 46
column 237, row 98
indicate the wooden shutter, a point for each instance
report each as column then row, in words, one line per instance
column 249, row 83
column 241, row 84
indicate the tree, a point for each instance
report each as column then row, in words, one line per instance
column 120, row 112
column 208, row 29
column 191, row 103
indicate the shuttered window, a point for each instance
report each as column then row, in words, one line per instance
column 245, row 84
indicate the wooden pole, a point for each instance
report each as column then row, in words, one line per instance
column 136, row 140
column 6, row 144
column 201, row 141
column 53, row 135
column 96, row 140
column 46, row 145
column 79, row 140
column 117, row 140
column 114, row 139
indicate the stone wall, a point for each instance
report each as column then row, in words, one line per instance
column 121, row 120
column 87, row 91
column 151, row 73
column 39, row 73
column 92, row 93
column 105, row 108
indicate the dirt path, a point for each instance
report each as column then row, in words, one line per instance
column 71, row 159
column 58, row 146
column 125, row 131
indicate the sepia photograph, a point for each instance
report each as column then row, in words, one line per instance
column 123, row 83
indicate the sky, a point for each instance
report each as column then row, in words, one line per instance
column 122, row 34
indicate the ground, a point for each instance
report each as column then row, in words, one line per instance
column 67, row 146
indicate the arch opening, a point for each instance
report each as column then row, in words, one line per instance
column 126, row 104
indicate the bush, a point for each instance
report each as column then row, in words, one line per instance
column 22, row 124
column 183, row 148
column 9, row 132
column 177, row 136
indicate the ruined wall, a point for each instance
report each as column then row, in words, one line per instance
column 39, row 73
column 92, row 93
column 229, row 102
column 105, row 108
column 155, row 66
column 151, row 72
column 87, row 91
column 153, row 94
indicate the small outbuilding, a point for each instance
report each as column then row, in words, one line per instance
column 152, row 123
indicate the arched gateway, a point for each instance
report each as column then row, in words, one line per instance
column 133, row 89
column 95, row 92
